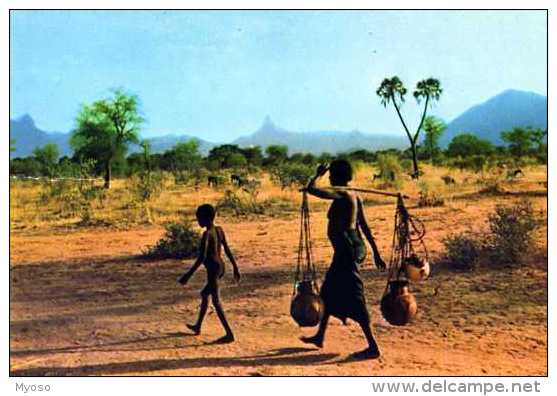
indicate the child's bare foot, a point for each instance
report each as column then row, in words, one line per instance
column 225, row 339
column 196, row 329
column 315, row 340
column 369, row 353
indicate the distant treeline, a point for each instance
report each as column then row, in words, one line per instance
column 524, row 145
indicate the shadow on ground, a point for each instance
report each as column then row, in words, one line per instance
column 284, row 356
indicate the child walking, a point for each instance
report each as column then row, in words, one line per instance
column 212, row 242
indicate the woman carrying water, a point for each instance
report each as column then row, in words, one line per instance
column 343, row 290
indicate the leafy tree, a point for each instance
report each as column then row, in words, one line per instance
column 325, row 158
column 467, row 144
column 363, row 155
column 253, row 155
column 219, row 156
column 235, row 160
column 185, row 156
column 433, row 128
column 27, row 166
column 47, row 158
column 276, row 154
column 393, row 90
column 105, row 128
column 522, row 141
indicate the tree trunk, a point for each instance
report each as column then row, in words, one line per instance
column 107, row 174
column 416, row 173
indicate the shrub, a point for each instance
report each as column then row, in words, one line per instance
column 429, row 198
column 511, row 238
column 463, row 250
column 231, row 202
column 179, row 241
column 288, row 174
column 146, row 185
column 390, row 170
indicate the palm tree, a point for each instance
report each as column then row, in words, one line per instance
column 393, row 90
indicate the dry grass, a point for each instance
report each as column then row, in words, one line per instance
column 121, row 210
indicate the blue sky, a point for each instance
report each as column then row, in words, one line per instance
column 216, row 75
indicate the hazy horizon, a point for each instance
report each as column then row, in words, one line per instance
column 217, row 75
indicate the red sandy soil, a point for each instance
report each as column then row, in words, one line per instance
column 83, row 303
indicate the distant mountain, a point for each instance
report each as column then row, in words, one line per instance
column 319, row 141
column 509, row 109
column 27, row 137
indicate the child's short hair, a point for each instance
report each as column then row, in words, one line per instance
column 341, row 169
column 206, row 212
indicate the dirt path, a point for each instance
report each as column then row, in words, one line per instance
column 83, row 304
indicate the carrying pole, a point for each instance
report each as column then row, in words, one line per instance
column 363, row 190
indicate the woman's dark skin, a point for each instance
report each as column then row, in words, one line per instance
column 349, row 218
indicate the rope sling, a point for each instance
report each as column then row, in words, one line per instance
column 306, row 307
column 408, row 232
column 398, row 305
column 305, row 267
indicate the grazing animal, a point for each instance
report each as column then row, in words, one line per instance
column 213, row 181
column 513, row 174
column 448, row 179
column 389, row 176
column 237, row 180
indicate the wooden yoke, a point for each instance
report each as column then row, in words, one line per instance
column 363, row 190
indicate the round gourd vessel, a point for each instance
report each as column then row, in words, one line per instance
column 416, row 269
column 307, row 307
column 398, row 305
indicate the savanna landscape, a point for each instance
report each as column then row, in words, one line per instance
column 84, row 301
column 104, row 218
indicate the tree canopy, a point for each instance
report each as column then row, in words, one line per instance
column 106, row 128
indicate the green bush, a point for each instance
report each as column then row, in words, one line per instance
column 146, row 185
column 511, row 238
column 180, row 241
column 509, row 241
column 233, row 203
column 289, row 174
column 463, row 251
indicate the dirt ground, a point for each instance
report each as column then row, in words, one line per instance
column 83, row 303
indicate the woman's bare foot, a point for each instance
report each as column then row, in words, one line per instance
column 315, row 340
column 195, row 328
column 225, row 339
column 369, row 353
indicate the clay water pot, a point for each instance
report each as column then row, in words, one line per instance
column 398, row 305
column 307, row 307
column 416, row 269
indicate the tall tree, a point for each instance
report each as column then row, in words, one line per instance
column 433, row 129
column 276, row 154
column 392, row 90
column 106, row 128
column 47, row 157
column 467, row 144
column 523, row 141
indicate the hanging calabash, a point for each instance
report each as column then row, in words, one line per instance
column 307, row 307
column 416, row 268
column 398, row 305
